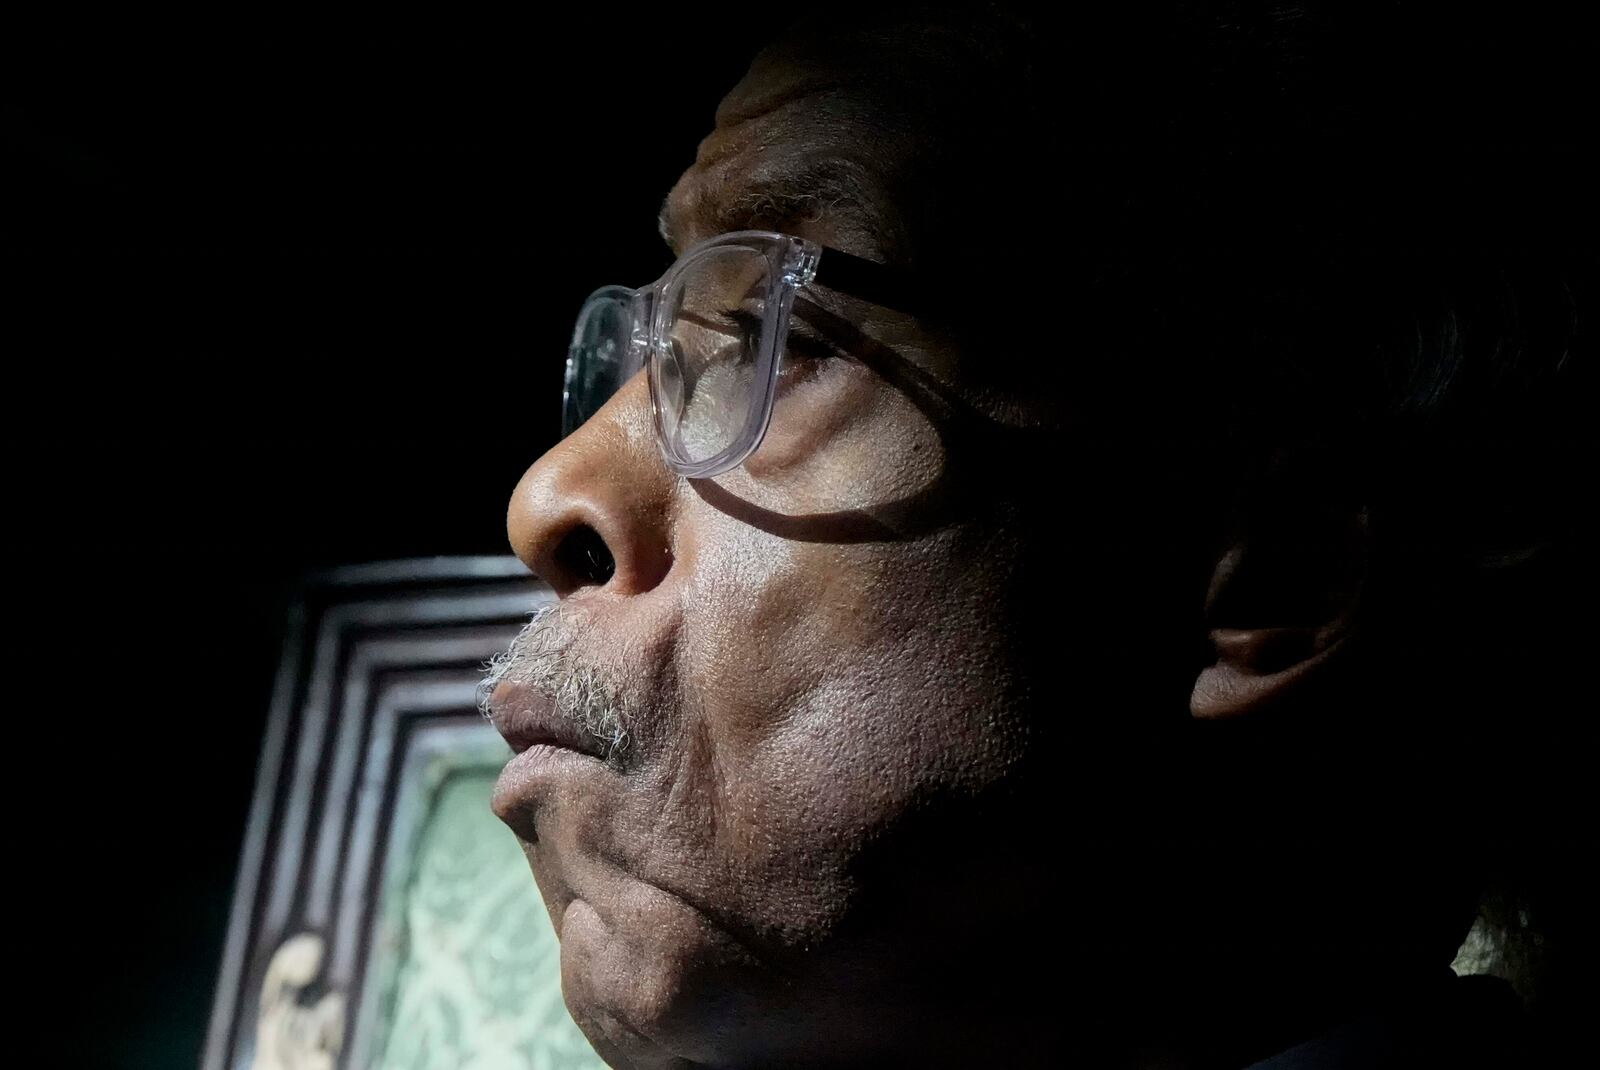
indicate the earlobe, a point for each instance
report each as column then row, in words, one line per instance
column 1281, row 609
column 1260, row 668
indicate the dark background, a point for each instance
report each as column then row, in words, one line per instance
column 283, row 296
column 276, row 297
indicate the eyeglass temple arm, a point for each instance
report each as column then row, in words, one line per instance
column 881, row 284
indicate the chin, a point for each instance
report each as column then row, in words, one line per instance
column 650, row 980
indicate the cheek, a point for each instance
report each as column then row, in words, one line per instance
column 844, row 442
column 825, row 689
column 769, row 622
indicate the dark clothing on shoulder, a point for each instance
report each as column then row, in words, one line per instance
column 1456, row 1023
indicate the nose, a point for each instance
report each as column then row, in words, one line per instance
column 593, row 511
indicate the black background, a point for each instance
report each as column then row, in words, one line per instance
column 284, row 296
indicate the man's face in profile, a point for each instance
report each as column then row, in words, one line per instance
column 821, row 757
column 794, row 681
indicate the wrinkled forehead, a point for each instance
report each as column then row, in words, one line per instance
column 801, row 145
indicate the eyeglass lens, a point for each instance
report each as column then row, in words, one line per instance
column 596, row 363
column 707, row 382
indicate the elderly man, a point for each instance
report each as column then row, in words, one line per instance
column 1010, row 601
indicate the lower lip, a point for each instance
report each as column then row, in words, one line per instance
column 531, row 773
column 542, row 757
column 541, row 753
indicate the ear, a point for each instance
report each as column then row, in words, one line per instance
column 1284, row 591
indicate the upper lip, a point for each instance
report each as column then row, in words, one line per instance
column 527, row 717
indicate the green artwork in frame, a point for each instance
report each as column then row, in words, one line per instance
column 464, row 969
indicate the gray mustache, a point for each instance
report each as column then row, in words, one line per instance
column 586, row 700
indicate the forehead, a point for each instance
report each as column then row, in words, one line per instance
column 793, row 150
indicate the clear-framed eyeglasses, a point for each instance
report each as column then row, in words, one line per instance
column 711, row 335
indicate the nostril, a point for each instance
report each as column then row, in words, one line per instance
column 583, row 555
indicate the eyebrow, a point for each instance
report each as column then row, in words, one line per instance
column 664, row 221
column 770, row 201
column 782, row 195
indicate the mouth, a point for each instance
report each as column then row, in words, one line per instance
column 553, row 757
column 527, row 718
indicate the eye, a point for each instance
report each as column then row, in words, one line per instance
column 740, row 342
column 809, row 346
column 799, row 343
column 745, row 322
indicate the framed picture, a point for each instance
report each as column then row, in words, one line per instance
column 382, row 916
